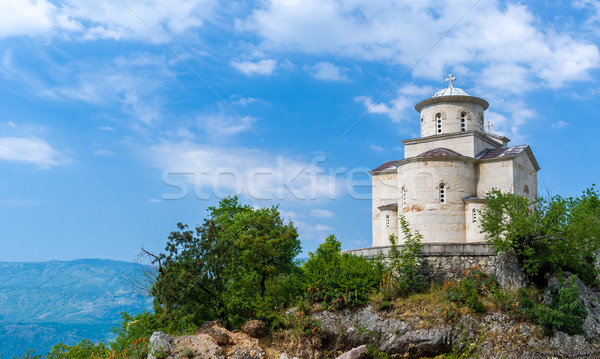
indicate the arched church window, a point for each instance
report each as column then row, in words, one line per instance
column 387, row 221
column 438, row 121
column 474, row 215
column 463, row 120
column 481, row 122
column 442, row 191
column 403, row 199
column 422, row 123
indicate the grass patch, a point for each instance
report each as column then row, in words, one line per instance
column 421, row 306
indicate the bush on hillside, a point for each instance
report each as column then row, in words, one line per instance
column 337, row 280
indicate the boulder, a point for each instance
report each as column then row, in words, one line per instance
column 255, row 329
column 202, row 345
column 355, row 353
column 508, row 271
column 219, row 334
column 161, row 345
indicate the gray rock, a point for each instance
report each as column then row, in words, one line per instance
column 508, row 272
column 160, row 346
column 355, row 353
column 285, row 356
column 202, row 345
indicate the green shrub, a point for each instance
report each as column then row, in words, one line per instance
column 389, row 287
column 385, row 306
column 468, row 292
column 187, row 353
column 405, row 264
column 566, row 312
column 337, row 280
column 83, row 350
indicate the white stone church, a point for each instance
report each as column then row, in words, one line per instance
column 441, row 183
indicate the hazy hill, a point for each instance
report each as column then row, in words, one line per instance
column 44, row 303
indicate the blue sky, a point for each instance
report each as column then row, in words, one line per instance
column 119, row 119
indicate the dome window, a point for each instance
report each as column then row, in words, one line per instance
column 474, row 215
column 403, row 199
column 387, row 221
column 442, row 192
column 438, row 118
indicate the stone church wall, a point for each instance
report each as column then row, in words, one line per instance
column 385, row 192
column 443, row 221
column 444, row 261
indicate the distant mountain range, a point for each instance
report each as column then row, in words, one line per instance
column 42, row 304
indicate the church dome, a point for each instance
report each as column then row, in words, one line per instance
column 451, row 91
column 451, row 94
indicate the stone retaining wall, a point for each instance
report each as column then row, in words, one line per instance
column 443, row 261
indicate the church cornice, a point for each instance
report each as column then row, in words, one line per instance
column 469, row 133
column 461, row 158
column 452, row 98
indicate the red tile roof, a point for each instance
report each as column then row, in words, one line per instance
column 386, row 166
column 439, row 152
column 500, row 152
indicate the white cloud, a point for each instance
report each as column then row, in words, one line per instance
column 107, row 19
column 262, row 67
column 400, row 108
column 560, row 124
column 134, row 83
column 32, row 150
column 245, row 101
column 224, row 125
column 322, row 213
column 19, row 203
column 26, row 17
column 315, row 232
column 327, row 71
column 376, row 148
column 491, row 39
column 103, row 152
column 107, row 128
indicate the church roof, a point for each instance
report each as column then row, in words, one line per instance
column 386, row 166
column 500, row 152
column 451, row 91
column 439, row 152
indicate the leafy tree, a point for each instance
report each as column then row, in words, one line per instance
column 548, row 235
column 222, row 269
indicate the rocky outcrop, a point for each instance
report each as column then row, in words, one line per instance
column 212, row 342
column 343, row 334
column 508, row 271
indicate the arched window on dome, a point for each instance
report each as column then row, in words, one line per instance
column 463, row 121
column 481, row 121
column 403, row 198
column 442, row 193
column 438, row 122
column 387, row 221
column 422, row 125
column 474, row 215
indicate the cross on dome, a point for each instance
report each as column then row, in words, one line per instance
column 489, row 126
column 450, row 79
